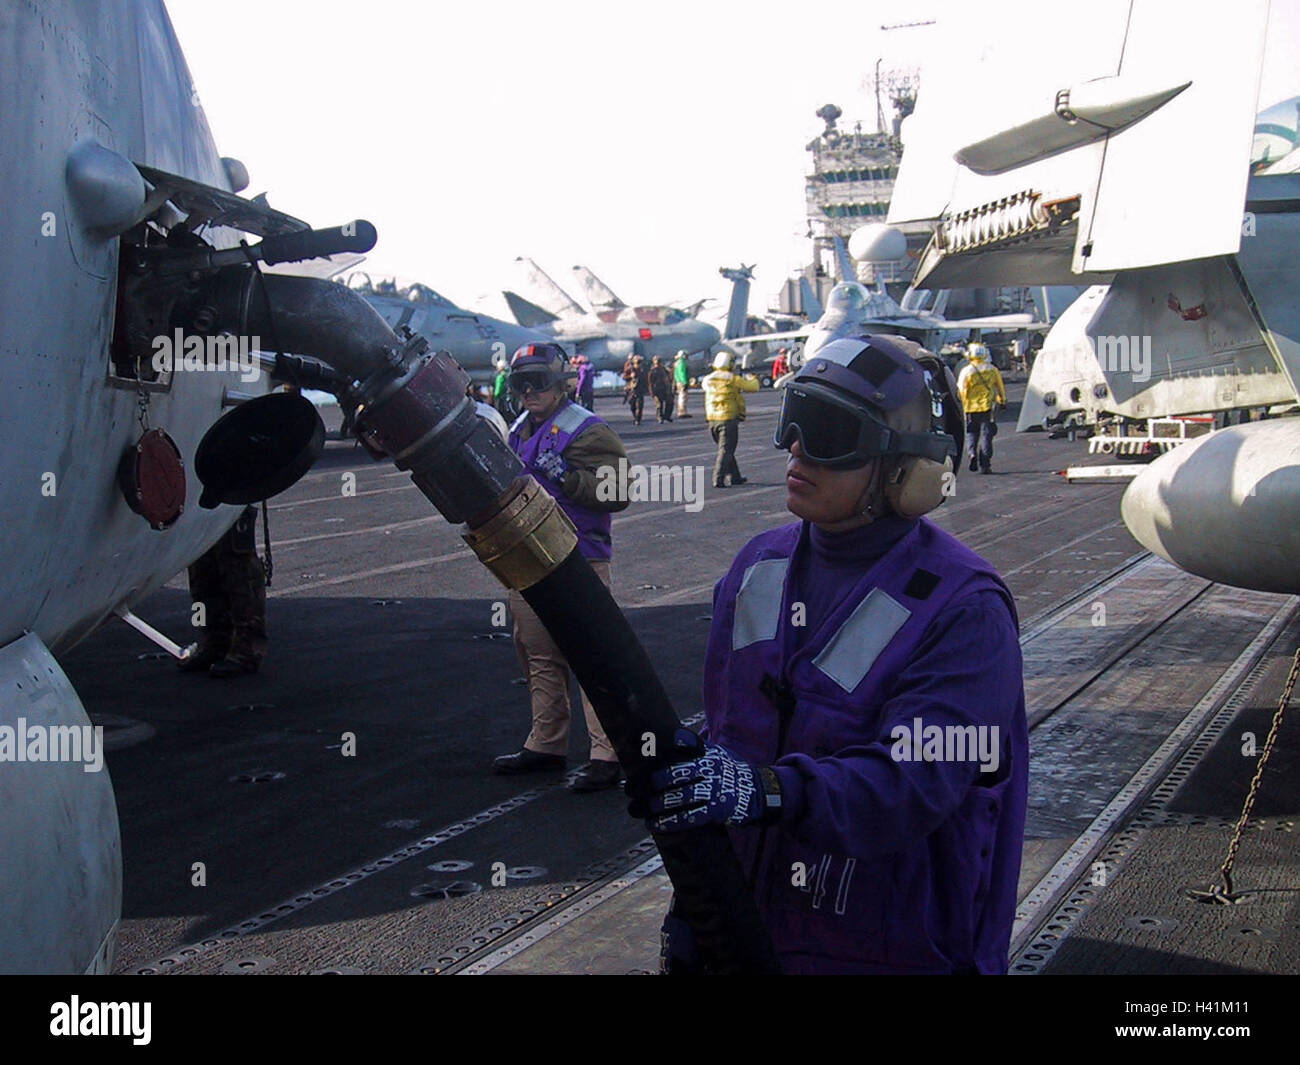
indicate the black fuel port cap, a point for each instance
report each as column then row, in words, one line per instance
column 258, row 449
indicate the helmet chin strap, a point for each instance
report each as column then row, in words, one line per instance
column 876, row 506
column 871, row 505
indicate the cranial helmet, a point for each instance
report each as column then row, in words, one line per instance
column 538, row 366
column 977, row 352
column 878, row 396
column 722, row 360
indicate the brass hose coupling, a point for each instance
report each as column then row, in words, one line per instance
column 527, row 538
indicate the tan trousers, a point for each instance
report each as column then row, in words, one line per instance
column 548, row 684
column 682, row 392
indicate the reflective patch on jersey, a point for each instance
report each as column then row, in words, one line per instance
column 570, row 419
column 853, row 650
column 758, row 603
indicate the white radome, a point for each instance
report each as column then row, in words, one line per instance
column 878, row 243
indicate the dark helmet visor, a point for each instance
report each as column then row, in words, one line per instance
column 835, row 430
column 532, row 380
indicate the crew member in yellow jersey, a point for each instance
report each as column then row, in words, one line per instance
column 724, row 407
column 982, row 393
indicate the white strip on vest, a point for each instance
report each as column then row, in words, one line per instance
column 853, row 650
column 758, row 603
column 570, row 418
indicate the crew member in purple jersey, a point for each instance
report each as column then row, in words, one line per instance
column 867, row 743
column 566, row 448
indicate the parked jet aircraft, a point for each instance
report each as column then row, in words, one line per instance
column 852, row 309
column 613, row 330
column 476, row 341
column 1058, row 169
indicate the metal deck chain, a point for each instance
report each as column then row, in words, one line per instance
column 1222, row 893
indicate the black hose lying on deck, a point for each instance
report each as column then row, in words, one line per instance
column 616, row 675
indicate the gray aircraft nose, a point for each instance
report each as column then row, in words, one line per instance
column 702, row 336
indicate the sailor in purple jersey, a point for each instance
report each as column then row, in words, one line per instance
column 867, row 743
column 585, row 386
column 564, row 446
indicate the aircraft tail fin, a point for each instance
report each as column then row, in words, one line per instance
column 599, row 294
column 941, row 302
column 843, row 261
column 547, row 294
column 812, row 306
column 738, row 309
column 529, row 315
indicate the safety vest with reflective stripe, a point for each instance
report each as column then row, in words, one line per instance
column 569, row 421
column 844, row 911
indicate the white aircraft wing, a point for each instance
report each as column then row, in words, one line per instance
column 798, row 334
column 1066, row 147
column 997, row 321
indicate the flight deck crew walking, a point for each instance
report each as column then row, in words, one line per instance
column 780, row 365
column 724, row 407
column 661, row 385
column 563, row 445
column 982, row 392
column 682, row 382
column 870, row 765
column 586, row 382
column 637, row 386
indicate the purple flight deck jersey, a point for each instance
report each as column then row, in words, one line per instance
column 897, row 730
column 568, row 421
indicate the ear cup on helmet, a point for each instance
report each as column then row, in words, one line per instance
column 917, row 485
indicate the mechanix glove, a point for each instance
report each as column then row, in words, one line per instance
column 551, row 465
column 710, row 787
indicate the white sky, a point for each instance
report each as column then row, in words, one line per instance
column 652, row 143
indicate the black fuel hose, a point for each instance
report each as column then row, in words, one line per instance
column 616, row 675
